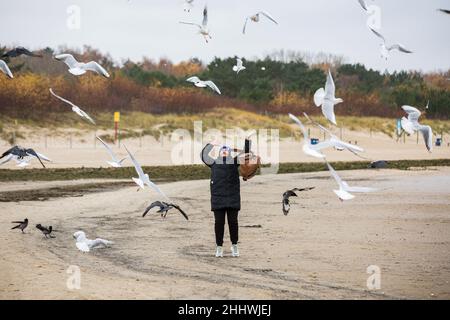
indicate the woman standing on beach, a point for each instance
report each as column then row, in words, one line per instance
column 226, row 192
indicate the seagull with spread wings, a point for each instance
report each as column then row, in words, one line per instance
column 385, row 49
column 75, row 108
column 116, row 163
column 326, row 99
column 203, row 84
column 164, row 208
column 411, row 124
column 344, row 192
column 315, row 150
column 203, row 28
column 239, row 66
column 291, row 193
column 143, row 178
column 79, row 68
column 256, row 18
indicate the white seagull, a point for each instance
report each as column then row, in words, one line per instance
column 344, row 192
column 363, row 5
column 203, row 84
column 78, row 68
column 85, row 245
column 5, row 69
column 326, row 99
column 143, row 179
column 188, row 5
column 256, row 18
column 203, row 28
column 314, row 150
column 385, row 50
column 116, row 163
column 339, row 144
column 411, row 125
column 239, row 66
column 75, row 108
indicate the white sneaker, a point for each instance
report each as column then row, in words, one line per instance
column 234, row 250
column 219, row 252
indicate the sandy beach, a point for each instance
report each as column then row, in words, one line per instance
column 320, row 250
column 82, row 149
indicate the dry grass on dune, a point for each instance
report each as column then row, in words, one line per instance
column 135, row 124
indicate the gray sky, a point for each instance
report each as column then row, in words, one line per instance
column 150, row 28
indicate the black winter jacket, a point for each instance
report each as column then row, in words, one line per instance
column 225, row 184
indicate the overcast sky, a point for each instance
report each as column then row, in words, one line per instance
column 150, row 28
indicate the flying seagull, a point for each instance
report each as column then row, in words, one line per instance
column 340, row 145
column 164, row 207
column 256, row 18
column 188, row 5
column 75, row 108
column 203, row 84
column 46, row 231
column 363, row 4
column 116, row 163
column 5, row 69
column 78, row 68
column 85, row 245
column 411, row 125
column 143, row 179
column 444, row 11
column 16, row 52
column 385, row 50
column 326, row 99
column 203, row 28
column 314, row 150
column 20, row 153
column 344, row 192
column 21, row 225
column 239, row 66
column 291, row 193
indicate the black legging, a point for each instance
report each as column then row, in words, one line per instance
column 219, row 226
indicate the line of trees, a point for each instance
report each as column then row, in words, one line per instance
column 269, row 85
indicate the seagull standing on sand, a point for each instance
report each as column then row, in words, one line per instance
column 203, row 28
column 85, row 245
column 411, row 125
column 21, row 225
column 385, row 50
column 239, row 66
column 314, row 150
column 75, row 108
column 116, row 163
column 143, row 179
column 164, row 207
column 79, row 68
column 291, row 193
column 326, row 99
column 20, row 51
column 5, row 69
column 344, row 189
column 19, row 154
column 203, row 84
column 256, row 18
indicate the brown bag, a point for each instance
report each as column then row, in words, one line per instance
column 249, row 165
